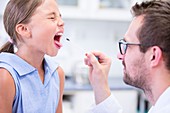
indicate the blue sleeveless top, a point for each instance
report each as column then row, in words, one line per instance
column 32, row 96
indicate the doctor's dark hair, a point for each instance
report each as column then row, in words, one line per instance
column 17, row 12
column 155, row 30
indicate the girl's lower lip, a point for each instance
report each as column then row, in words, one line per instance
column 58, row 45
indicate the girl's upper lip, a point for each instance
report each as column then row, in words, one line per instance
column 59, row 32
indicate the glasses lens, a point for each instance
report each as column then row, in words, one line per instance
column 122, row 47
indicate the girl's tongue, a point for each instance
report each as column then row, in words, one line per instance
column 57, row 41
column 58, row 44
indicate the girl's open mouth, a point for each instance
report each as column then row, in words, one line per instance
column 57, row 39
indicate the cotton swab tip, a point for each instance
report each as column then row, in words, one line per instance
column 67, row 39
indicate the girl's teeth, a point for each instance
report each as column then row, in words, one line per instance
column 60, row 34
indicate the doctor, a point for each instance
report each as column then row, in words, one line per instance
column 145, row 55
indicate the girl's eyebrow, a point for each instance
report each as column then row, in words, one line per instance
column 53, row 13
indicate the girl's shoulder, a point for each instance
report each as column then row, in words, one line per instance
column 61, row 74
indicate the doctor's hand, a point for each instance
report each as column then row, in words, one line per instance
column 99, row 66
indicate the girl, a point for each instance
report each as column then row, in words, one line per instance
column 30, row 82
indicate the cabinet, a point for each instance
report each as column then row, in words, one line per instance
column 73, row 9
column 79, row 98
column 82, row 101
column 118, row 10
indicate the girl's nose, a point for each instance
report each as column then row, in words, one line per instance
column 60, row 22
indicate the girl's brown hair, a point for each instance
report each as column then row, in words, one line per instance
column 17, row 12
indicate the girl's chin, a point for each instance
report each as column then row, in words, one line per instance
column 53, row 54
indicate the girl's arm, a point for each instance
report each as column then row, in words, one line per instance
column 62, row 79
column 7, row 91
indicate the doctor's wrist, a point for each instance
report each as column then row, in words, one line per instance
column 101, row 95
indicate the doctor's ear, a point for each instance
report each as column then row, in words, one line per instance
column 23, row 30
column 153, row 57
column 156, row 55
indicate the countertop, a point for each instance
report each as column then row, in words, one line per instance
column 114, row 83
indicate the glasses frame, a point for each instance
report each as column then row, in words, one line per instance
column 122, row 42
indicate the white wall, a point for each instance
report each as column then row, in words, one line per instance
column 3, row 35
column 2, row 6
column 91, row 35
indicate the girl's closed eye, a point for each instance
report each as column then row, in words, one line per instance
column 52, row 17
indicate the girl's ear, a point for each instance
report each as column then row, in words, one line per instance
column 156, row 56
column 23, row 30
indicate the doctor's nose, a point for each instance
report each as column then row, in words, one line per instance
column 120, row 56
